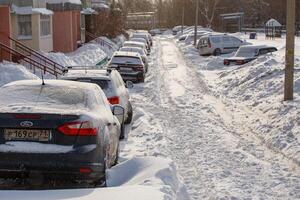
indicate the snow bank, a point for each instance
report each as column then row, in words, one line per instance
column 10, row 72
column 116, row 193
column 87, row 55
column 148, row 171
column 146, row 178
column 108, row 46
column 257, row 89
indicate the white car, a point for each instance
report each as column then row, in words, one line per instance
column 135, row 44
column 190, row 37
column 142, row 52
column 112, row 85
column 142, row 40
column 177, row 29
column 144, row 35
column 219, row 43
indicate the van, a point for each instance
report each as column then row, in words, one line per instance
column 217, row 44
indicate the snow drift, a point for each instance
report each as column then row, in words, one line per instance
column 10, row 72
column 146, row 178
column 257, row 89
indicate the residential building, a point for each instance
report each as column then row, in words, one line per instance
column 28, row 22
column 68, row 25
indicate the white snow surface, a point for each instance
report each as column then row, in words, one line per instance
column 87, row 55
column 181, row 112
column 10, row 72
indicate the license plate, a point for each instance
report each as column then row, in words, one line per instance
column 27, row 134
column 126, row 69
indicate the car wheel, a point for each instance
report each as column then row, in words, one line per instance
column 122, row 135
column 217, row 52
column 129, row 115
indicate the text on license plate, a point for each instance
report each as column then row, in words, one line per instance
column 27, row 134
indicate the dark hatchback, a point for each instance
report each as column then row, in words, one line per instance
column 130, row 65
column 56, row 130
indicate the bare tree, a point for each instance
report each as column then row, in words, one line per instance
column 208, row 10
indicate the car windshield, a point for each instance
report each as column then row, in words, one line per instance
column 246, row 52
column 126, row 60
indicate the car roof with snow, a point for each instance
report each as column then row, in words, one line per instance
column 127, row 54
column 102, row 74
column 55, row 96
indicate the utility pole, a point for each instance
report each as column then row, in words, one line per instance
column 196, row 22
column 182, row 17
column 290, row 51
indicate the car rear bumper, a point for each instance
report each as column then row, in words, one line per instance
column 138, row 77
column 74, row 165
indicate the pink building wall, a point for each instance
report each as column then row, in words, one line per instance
column 5, row 29
column 65, row 30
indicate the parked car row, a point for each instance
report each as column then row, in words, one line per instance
column 212, row 43
column 131, row 60
column 70, row 129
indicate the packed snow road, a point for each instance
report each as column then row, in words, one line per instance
column 217, row 157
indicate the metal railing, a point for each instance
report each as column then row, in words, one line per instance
column 19, row 57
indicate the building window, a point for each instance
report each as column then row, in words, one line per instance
column 24, row 23
column 45, row 25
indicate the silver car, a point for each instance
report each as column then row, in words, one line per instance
column 113, row 86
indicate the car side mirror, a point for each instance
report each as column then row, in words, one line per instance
column 119, row 112
column 129, row 84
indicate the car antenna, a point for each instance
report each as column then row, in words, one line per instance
column 43, row 81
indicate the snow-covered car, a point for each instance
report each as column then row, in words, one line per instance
column 190, row 37
column 136, row 44
column 112, row 85
column 144, row 35
column 142, row 40
column 187, row 30
column 177, row 29
column 142, row 53
column 248, row 53
column 58, row 128
column 130, row 65
column 154, row 32
column 219, row 43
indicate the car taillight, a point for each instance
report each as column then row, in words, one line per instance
column 78, row 128
column 139, row 68
column 114, row 100
column 85, row 170
column 239, row 62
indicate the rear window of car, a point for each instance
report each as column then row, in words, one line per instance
column 45, row 95
column 126, row 60
column 246, row 52
column 105, row 85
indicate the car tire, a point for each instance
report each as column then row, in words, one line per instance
column 122, row 135
column 217, row 52
column 128, row 120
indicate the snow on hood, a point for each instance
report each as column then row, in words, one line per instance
column 10, row 72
